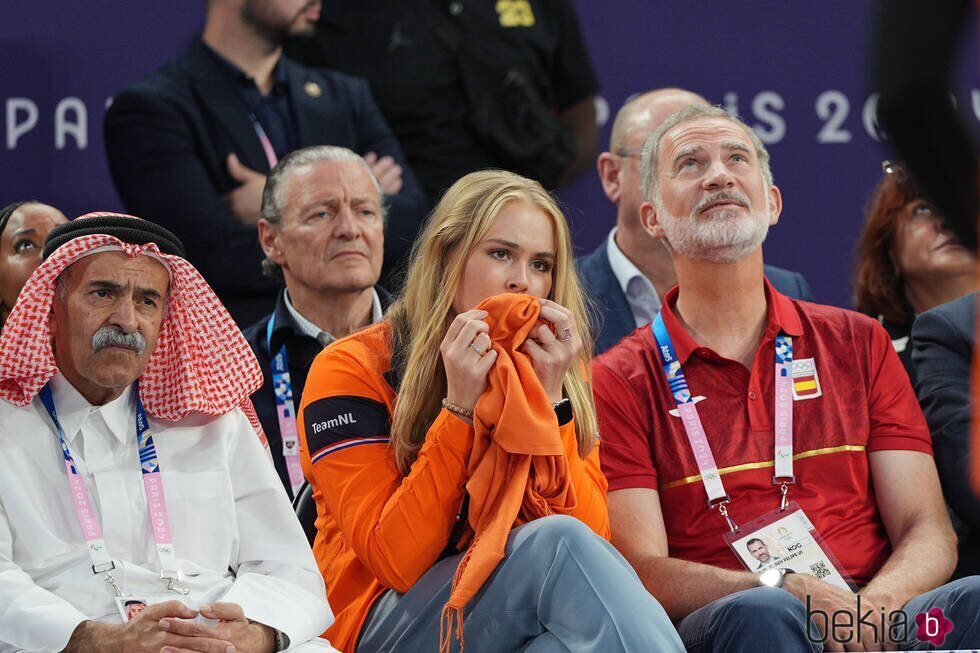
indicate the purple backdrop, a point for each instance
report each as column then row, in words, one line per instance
column 795, row 71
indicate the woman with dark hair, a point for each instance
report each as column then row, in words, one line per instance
column 23, row 227
column 908, row 261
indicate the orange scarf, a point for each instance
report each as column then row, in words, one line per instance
column 517, row 468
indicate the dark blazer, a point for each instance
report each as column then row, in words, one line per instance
column 942, row 352
column 615, row 320
column 301, row 349
column 168, row 137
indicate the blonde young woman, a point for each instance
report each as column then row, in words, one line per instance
column 388, row 416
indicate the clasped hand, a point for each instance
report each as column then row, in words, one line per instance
column 171, row 627
column 467, row 356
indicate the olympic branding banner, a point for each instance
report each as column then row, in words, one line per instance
column 796, row 72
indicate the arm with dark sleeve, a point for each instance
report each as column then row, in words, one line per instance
column 397, row 525
column 407, row 208
column 159, row 175
column 914, row 48
column 589, row 483
column 942, row 355
column 575, row 87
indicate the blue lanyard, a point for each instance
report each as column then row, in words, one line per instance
column 155, row 500
column 691, row 420
column 282, row 387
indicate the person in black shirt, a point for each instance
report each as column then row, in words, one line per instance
column 470, row 85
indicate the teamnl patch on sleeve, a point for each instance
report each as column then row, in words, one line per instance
column 335, row 423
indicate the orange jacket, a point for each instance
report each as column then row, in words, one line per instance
column 377, row 529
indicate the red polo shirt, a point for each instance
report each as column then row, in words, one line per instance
column 865, row 403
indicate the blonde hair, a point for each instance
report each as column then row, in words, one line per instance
column 423, row 313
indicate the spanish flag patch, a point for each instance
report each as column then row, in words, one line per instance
column 806, row 383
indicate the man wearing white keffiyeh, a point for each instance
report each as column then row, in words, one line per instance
column 119, row 365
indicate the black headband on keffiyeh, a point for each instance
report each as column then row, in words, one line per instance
column 125, row 228
column 128, row 229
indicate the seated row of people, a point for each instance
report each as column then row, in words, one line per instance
column 469, row 509
column 742, row 433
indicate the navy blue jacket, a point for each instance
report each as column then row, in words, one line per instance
column 942, row 351
column 615, row 320
column 168, row 137
column 301, row 349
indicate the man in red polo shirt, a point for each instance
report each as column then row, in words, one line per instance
column 742, row 415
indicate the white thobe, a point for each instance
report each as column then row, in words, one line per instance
column 234, row 532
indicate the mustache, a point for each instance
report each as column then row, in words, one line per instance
column 720, row 196
column 110, row 335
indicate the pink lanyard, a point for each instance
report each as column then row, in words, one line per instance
column 687, row 408
column 270, row 152
column 156, row 502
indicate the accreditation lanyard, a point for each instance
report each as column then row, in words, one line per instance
column 691, row 420
column 270, row 152
column 282, row 387
column 155, row 501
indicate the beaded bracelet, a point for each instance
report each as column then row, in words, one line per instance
column 459, row 410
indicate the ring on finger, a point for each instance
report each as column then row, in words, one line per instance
column 478, row 349
column 566, row 335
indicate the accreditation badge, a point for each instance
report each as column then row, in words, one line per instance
column 786, row 539
column 132, row 606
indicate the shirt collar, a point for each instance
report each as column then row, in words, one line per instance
column 73, row 410
column 623, row 268
column 782, row 316
column 308, row 328
column 279, row 73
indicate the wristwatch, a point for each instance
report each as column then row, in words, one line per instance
column 774, row 577
column 282, row 640
column 563, row 411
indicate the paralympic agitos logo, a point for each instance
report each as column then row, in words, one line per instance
column 841, row 626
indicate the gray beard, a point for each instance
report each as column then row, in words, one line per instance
column 722, row 238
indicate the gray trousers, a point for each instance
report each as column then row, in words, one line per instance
column 559, row 588
column 768, row 619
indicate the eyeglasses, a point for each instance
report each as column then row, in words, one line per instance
column 623, row 152
column 896, row 169
column 901, row 176
column 890, row 167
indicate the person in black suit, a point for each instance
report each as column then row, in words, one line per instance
column 630, row 271
column 942, row 351
column 322, row 231
column 189, row 147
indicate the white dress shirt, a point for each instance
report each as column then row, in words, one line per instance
column 640, row 294
column 234, row 532
column 313, row 331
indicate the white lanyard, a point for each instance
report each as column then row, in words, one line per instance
column 691, row 420
column 282, row 387
column 156, row 502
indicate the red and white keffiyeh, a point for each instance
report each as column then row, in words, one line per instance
column 202, row 362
